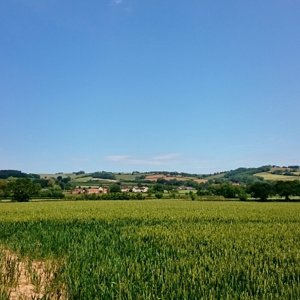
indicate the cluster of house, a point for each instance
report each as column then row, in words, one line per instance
column 105, row 190
column 89, row 190
column 135, row 189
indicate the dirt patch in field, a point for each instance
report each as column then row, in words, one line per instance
column 30, row 279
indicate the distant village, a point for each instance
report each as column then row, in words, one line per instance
column 87, row 190
column 105, row 190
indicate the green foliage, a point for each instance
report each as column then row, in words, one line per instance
column 174, row 194
column 44, row 183
column 3, row 188
column 158, row 188
column 4, row 174
column 243, row 196
column 260, row 190
column 52, row 193
column 103, row 175
column 294, row 167
column 161, row 249
column 79, row 173
column 246, row 175
column 115, row 188
column 64, row 182
column 159, row 195
column 23, row 189
column 171, row 184
column 192, row 195
column 205, row 189
column 287, row 188
column 227, row 190
column 114, row 196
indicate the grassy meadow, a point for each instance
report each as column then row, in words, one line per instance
column 156, row 249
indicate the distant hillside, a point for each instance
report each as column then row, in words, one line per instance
column 245, row 175
column 156, row 177
column 240, row 175
column 249, row 175
column 277, row 173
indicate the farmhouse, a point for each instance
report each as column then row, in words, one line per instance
column 89, row 190
column 143, row 189
column 77, row 191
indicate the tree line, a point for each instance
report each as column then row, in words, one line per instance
column 260, row 190
column 24, row 188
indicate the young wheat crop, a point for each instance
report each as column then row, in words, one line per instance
column 160, row 249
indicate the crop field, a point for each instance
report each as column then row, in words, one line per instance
column 150, row 250
column 275, row 177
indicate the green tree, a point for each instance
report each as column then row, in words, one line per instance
column 158, row 195
column 192, row 195
column 228, row 190
column 115, row 188
column 23, row 189
column 297, row 188
column 260, row 190
column 3, row 188
column 204, row 189
column 174, row 194
column 157, row 188
column 287, row 189
column 243, row 196
column 64, row 182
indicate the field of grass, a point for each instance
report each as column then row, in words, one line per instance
column 275, row 177
column 157, row 249
column 217, row 176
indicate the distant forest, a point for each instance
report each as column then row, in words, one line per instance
column 4, row 174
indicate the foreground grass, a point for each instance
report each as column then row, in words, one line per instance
column 162, row 249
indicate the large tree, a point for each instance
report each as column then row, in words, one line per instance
column 260, row 190
column 287, row 189
column 23, row 189
column 115, row 188
column 227, row 190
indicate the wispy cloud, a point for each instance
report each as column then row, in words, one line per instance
column 168, row 158
column 117, row 2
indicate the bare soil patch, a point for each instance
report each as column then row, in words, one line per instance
column 30, row 279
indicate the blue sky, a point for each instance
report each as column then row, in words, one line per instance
column 197, row 86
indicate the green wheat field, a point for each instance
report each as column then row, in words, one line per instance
column 154, row 249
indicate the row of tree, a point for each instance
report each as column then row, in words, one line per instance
column 22, row 189
column 261, row 190
column 4, row 174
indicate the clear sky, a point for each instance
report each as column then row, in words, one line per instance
column 122, row 85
